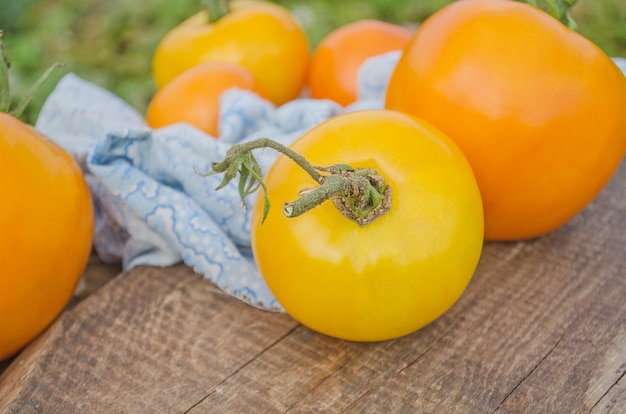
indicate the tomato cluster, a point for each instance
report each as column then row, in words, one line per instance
column 267, row 52
column 500, row 123
column 264, row 41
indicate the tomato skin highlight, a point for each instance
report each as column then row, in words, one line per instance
column 46, row 231
column 260, row 36
column 194, row 96
column 394, row 275
column 333, row 72
column 537, row 109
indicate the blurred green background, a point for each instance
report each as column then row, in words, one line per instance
column 110, row 43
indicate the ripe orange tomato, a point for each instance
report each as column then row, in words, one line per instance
column 260, row 36
column 46, row 229
column 194, row 96
column 394, row 275
column 337, row 58
column 537, row 109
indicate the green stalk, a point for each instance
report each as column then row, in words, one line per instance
column 216, row 9
column 359, row 194
column 559, row 9
column 21, row 106
column 5, row 92
column 5, row 95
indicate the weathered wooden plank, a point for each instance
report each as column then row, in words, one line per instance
column 535, row 332
column 96, row 275
column 471, row 360
column 614, row 401
column 5, row 364
column 541, row 328
column 153, row 340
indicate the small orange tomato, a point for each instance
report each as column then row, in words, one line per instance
column 194, row 96
column 335, row 63
column 260, row 36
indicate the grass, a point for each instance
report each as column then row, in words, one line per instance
column 110, row 43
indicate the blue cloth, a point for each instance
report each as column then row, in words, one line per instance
column 151, row 207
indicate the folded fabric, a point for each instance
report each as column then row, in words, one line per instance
column 152, row 208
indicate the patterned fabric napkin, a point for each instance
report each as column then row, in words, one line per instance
column 151, row 207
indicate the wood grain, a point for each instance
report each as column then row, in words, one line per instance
column 540, row 329
column 96, row 275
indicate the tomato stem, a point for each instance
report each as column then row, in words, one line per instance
column 334, row 186
column 559, row 9
column 216, row 9
column 5, row 93
column 359, row 194
column 21, row 106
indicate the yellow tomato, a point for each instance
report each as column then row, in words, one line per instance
column 262, row 37
column 399, row 272
column 46, row 229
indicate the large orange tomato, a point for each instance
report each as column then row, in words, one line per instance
column 46, row 228
column 336, row 61
column 538, row 109
column 261, row 36
column 401, row 271
column 194, row 95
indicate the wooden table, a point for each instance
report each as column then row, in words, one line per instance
column 540, row 329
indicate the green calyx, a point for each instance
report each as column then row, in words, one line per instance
column 5, row 95
column 359, row 194
column 5, row 92
column 559, row 9
column 216, row 9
